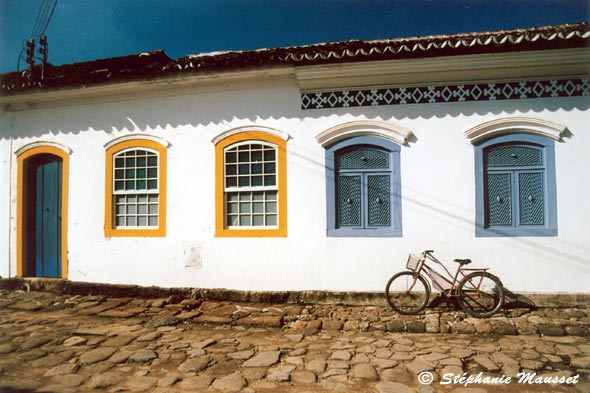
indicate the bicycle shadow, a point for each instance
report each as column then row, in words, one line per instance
column 516, row 301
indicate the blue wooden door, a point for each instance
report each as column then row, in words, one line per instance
column 44, row 217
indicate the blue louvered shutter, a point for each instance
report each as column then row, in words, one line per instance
column 349, row 200
column 515, row 185
column 499, row 199
column 514, row 156
column 364, row 187
column 363, row 158
column 378, row 200
column 531, row 200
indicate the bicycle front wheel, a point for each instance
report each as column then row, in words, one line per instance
column 481, row 294
column 406, row 293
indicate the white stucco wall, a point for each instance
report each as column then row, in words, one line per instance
column 438, row 197
column 5, row 193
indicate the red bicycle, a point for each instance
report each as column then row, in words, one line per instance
column 478, row 292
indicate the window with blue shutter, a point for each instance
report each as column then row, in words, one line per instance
column 363, row 188
column 515, row 186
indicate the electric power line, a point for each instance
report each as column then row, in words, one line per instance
column 42, row 32
column 44, row 15
column 39, row 18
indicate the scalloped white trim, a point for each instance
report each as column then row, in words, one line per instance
column 233, row 131
column 131, row 137
column 510, row 125
column 33, row 145
column 389, row 131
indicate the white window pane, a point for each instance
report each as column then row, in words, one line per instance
column 256, row 181
column 244, row 169
column 256, row 169
column 258, row 220
column 269, row 155
column 153, row 221
column 231, row 181
column 244, row 181
column 269, row 168
column 230, row 157
column 257, row 156
column 270, row 180
column 271, row 207
column 245, row 221
column 243, row 156
column 271, row 219
column 153, row 209
column 258, row 207
column 245, row 196
column 142, row 221
column 231, row 170
column 141, row 209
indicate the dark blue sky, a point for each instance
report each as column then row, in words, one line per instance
column 82, row 30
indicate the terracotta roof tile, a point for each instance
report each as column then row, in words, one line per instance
column 156, row 64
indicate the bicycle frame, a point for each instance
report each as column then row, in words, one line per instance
column 451, row 280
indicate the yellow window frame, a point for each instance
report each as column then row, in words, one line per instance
column 110, row 229
column 221, row 229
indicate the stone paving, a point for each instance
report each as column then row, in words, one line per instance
column 63, row 343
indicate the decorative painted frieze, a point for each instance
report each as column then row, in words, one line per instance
column 443, row 93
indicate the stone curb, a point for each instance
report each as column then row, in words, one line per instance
column 164, row 307
column 541, row 300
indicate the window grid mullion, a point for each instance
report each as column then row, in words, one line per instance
column 135, row 185
column 251, row 189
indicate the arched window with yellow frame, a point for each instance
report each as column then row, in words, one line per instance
column 251, row 184
column 135, row 187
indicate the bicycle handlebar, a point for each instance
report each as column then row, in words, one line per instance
column 428, row 251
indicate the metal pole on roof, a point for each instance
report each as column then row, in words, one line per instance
column 31, row 54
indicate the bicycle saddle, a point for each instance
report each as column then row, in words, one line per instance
column 463, row 261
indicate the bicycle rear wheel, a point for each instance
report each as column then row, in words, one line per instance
column 406, row 293
column 481, row 294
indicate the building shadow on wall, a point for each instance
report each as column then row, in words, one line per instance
column 211, row 111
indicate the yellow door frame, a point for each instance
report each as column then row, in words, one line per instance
column 22, row 155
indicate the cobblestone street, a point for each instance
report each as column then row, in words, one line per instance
column 64, row 343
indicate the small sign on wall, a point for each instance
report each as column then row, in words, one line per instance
column 192, row 255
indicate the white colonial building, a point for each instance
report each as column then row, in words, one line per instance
column 319, row 167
